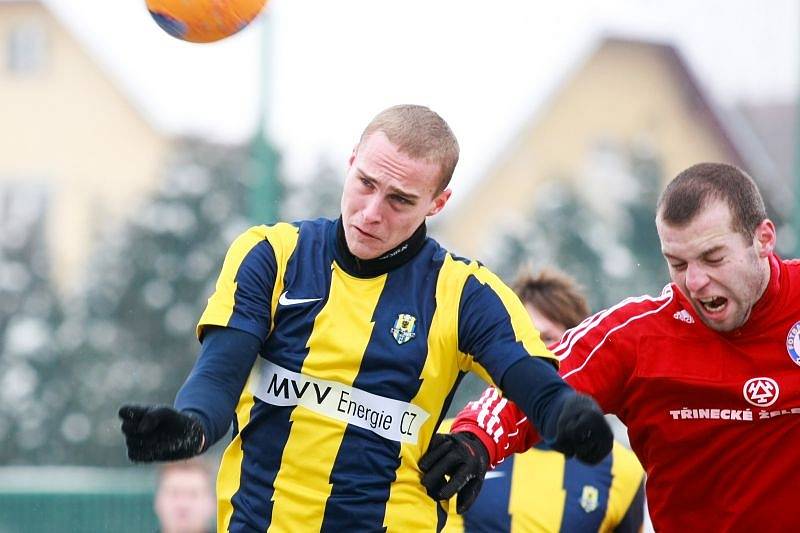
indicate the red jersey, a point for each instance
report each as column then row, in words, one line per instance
column 713, row 417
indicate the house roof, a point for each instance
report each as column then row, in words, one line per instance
column 759, row 138
column 130, row 96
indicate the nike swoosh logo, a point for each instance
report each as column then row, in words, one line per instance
column 285, row 300
column 494, row 474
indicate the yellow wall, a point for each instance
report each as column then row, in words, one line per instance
column 625, row 92
column 71, row 129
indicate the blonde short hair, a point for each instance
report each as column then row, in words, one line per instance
column 419, row 133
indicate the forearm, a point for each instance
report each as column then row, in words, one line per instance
column 212, row 389
column 502, row 425
column 537, row 389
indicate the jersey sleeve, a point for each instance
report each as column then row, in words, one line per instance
column 494, row 328
column 244, row 290
column 500, row 425
column 597, row 357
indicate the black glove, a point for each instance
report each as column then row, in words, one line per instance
column 582, row 430
column 462, row 457
column 159, row 433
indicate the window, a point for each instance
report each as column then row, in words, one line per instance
column 26, row 48
column 23, row 209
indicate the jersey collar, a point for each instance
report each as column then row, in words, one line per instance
column 370, row 268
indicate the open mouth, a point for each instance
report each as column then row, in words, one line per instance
column 713, row 305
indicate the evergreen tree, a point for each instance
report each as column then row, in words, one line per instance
column 134, row 339
column 639, row 234
column 320, row 195
column 29, row 313
column 558, row 233
column 612, row 257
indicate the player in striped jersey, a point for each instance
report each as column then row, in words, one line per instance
column 541, row 491
column 335, row 347
column 705, row 376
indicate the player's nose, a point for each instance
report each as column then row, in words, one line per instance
column 372, row 210
column 696, row 278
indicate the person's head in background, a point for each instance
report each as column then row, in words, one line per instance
column 184, row 501
column 554, row 300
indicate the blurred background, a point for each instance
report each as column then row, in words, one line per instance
column 129, row 160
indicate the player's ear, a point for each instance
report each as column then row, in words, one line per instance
column 352, row 158
column 439, row 201
column 765, row 238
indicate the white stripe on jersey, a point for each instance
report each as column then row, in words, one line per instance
column 667, row 296
column 476, row 404
column 579, row 331
column 485, row 402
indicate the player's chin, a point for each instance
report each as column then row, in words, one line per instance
column 365, row 252
column 729, row 322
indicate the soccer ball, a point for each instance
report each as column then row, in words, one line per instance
column 203, row 21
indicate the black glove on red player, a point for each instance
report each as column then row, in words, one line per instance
column 582, row 431
column 160, row 433
column 464, row 459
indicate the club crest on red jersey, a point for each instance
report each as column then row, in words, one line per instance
column 761, row 392
column 793, row 343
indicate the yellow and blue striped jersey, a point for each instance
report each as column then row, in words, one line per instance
column 540, row 491
column 353, row 378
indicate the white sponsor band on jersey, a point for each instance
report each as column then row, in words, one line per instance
column 389, row 418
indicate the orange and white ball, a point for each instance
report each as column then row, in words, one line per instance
column 204, row 21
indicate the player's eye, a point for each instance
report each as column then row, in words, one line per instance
column 401, row 200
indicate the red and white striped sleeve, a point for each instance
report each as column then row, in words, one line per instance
column 597, row 358
column 501, row 426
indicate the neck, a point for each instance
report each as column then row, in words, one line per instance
column 766, row 273
column 370, row 268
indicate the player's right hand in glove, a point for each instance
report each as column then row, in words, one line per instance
column 582, row 431
column 160, row 433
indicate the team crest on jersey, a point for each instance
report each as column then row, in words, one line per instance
column 793, row 343
column 589, row 498
column 405, row 328
column 761, row 392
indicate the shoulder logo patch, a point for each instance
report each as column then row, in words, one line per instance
column 405, row 328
